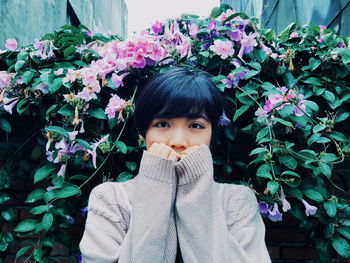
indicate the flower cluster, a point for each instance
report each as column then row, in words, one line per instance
column 277, row 101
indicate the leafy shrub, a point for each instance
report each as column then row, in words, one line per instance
column 285, row 129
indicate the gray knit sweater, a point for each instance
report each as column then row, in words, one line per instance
column 170, row 204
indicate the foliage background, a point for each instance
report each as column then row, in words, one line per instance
column 286, row 136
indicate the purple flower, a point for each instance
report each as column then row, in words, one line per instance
column 70, row 219
column 9, row 104
column 212, row 25
column 157, row 27
column 264, row 208
column 235, row 35
column 224, row 121
column 94, row 149
column 193, row 29
column 42, row 87
column 248, row 43
column 84, row 211
column 49, row 156
column 274, row 214
column 79, row 259
column 309, row 209
column 11, row 44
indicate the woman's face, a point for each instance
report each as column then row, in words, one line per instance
column 179, row 133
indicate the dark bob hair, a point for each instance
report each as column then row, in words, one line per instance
column 177, row 93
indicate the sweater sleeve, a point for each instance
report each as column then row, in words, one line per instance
column 150, row 235
column 204, row 235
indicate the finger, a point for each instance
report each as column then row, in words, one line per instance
column 173, row 155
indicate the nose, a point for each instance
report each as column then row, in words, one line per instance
column 178, row 141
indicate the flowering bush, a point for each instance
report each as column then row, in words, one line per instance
column 284, row 132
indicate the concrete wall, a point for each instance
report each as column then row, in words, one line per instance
column 278, row 14
column 29, row 19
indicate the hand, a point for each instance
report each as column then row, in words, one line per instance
column 188, row 150
column 163, row 150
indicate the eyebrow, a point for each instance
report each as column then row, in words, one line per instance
column 197, row 116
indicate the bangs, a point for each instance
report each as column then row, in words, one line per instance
column 178, row 93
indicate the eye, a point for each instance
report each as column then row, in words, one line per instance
column 197, row 126
column 161, row 124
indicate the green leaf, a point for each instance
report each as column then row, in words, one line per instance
column 215, row 12
column 43, row 172
column 131, row 166
column 328, row 96
column 240, row 111
column 124, row 176
column 22, row 106
column 8, row 214
column 27, row 76
column 329, row 157
column 262, row 133
column 84, row 143
column 39, row 209
column 341, row 246
column 331, row 208
column 313, row 195
column 67, row 110
column 344, row 231
column 342, row 116
column 35, row 195
column 326, row 170
column 50, row 110
column 283, row 122
column 338, row 136
column 5, row 125
column 289, row 79
column 288, row 161
column 230, row 132
column 98, row 113
column 68, row 51
column 121, row 147
column 22, row 55
column 68, row 192
column 344, row 53
column 272, row 186
column 22, row 251
column 47, row 221
column 58, row 130
column 26, row 225
column 318, row 128
column 264, row 171
column 57, row 83
column 19, row 64
column 314, row 63
column 258, row 150
column 294, row 192
column 286, row 111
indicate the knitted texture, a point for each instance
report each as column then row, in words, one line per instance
column 171, row 207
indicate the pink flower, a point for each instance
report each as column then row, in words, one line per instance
column 294, row 35
column 94, row 149
column 115, row 105
column 11, row 44
column 285, row 204
column 225, row 15
column 118, row 80
column 223, row 48
column 193, row 30
column 87, row 93
column 322, row 27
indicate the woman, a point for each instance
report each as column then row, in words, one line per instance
column 173, row 210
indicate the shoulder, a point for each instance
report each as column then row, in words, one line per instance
column 239, row 202
column 112, row 194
